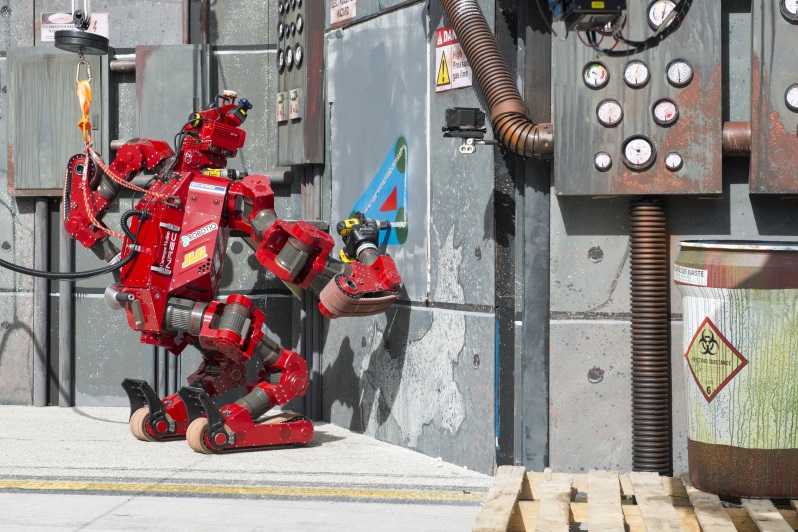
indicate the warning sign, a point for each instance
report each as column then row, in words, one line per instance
column 452, row 70
column 713, row 360
column 342, row 10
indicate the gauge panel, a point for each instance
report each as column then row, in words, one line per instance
column 670, row 95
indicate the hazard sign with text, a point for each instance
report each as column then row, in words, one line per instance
column 452, row 70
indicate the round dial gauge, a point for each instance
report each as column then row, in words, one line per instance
column 673, row 161
column 602, row 161
column 789, row 10
column 665, row 112
column 298, row 55
column 609, row 112
column 636, row 73
column 658, row 12
column 595, row 75
column 300, row 23
column 280, row 7
column 680, row 73
column 791, row 97
column 293, row 4
column 280, row 30
column 280, row 60
column 289, row 57
column 292, row 28
column 638, row 153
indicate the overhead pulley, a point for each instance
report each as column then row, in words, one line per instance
column 80, row 41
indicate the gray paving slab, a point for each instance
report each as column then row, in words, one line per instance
column 107, row 513
column 94, row 443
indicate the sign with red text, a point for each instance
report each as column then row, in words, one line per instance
column 452, row 70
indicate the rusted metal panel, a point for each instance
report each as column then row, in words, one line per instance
column 740, row 300
column 774, row 127
column 696, row 135
column 43, row 117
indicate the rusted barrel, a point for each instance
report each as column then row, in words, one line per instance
column 741, row 365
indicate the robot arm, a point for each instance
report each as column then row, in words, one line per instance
column 89, row 193
column 300, row 254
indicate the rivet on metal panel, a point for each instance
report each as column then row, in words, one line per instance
column 6, row 246
column 595, row 254
column 476, row 361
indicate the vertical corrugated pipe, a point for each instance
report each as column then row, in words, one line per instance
column 508, row 114
column 651, row 388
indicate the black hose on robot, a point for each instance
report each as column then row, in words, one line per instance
column 76, row 276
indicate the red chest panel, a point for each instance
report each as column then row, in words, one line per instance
column 182, row 248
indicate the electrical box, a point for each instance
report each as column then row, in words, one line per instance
column 299, row 103
column 584, row 15
column 649, row 123
column 774, row 99
column 43, row 117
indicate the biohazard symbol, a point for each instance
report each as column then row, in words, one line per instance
column 443, row 71
column 713, row 360
column 708, row 344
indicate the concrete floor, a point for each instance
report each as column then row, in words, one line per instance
column 81, row 469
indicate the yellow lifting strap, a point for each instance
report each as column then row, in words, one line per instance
column 84, row 99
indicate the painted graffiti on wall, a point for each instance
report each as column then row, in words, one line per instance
column 385, row 198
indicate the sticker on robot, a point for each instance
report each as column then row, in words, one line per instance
column 168, row 251
column 52, row 22
column 209, row 188
column 187, row 239
column 342, row 10
column 691, row 276
column 193, row 257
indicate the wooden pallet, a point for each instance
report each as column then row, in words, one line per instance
column 522, row 501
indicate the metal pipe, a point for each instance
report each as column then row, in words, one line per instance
column 122, row 65
column 41, row 325
column 736, row 139
column 186, row 17
column 651, row 401
column 509, row 116
column 66, row 328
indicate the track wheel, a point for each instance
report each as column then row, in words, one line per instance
column 195, row 436
column 138, row 424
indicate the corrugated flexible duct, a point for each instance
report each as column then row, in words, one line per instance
column 508, row 114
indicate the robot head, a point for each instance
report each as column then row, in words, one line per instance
column 214, row 135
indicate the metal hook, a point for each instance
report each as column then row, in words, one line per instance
column 88, row 70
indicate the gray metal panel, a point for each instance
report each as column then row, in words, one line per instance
column 774, row 143
column 131, row 22
column 43, row 117
column 301, row 140
column 242, row 22
column 590, row 412
column 461, row 186
column 15, row 27
column 696, row 135
column 378, row 92
column 420, row 378
column 167, row 80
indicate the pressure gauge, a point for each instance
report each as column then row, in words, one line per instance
column 280, row 60
column 789, row 10
column 280, row 30
column 680, row 73
column 791, row 97
column 595, row 75
column 289, row 57
column 293, row 4
column 298, row 3
column 636, row 73
column 602, row 161
column 292, row 29
column 609, row 112
column 300, row 23
column 665, row 112
column 638, row 153
column 658, row 12
column 298, row 55
column 673, row 161
column 280, row 7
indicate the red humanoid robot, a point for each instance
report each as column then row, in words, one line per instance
column 171, row 263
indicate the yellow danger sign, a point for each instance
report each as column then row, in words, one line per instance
column 443, row 72
column 713, row 360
